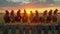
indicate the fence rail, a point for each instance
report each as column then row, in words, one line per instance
column 34, row 29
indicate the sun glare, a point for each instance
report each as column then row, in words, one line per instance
column 28, row 11
column 40, row 10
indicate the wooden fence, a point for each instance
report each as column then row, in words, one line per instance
column 4, row 29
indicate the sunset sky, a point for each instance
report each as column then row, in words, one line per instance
column 39, row 5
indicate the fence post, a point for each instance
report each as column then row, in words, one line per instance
column 1, row 28
column 13, row 30
column 46, row 29
column 53, row 28
column 21, row 30
column 34, row 30
column 5, row 29
column 39, row 29
column 27, row 29
column 58, row 28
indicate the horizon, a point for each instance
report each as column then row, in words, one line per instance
column 40, row 10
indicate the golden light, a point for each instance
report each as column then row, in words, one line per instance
column 40, row 10
column 28, row 11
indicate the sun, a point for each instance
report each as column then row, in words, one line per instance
column 28, row 11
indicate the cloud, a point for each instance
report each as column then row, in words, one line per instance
column 15, row 1
column 22, row 3
column 3, row 1
column 19, row 1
